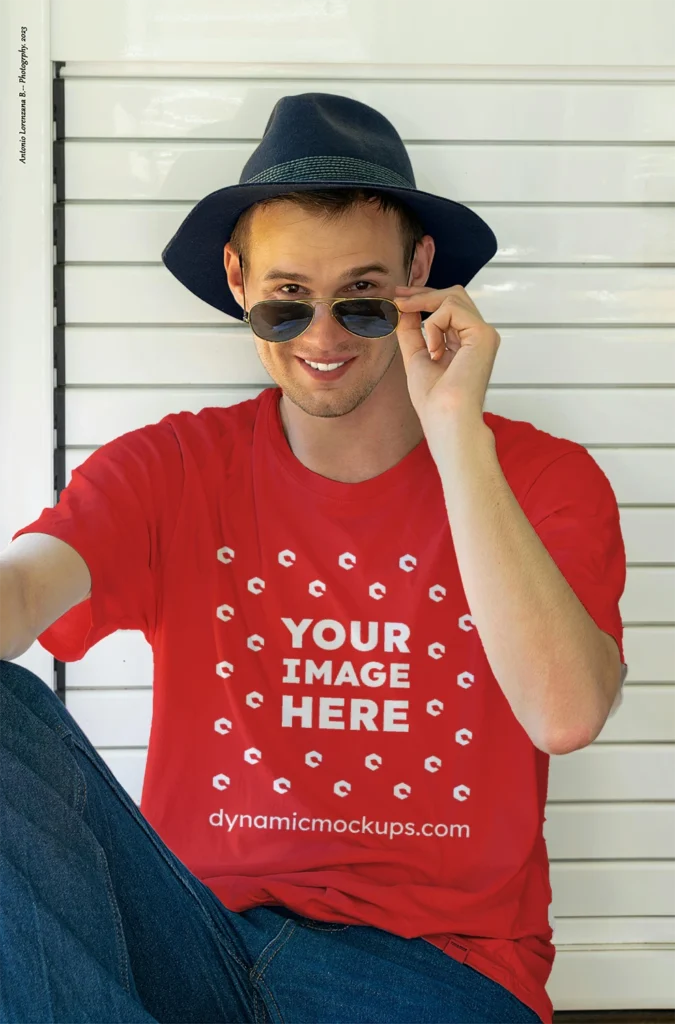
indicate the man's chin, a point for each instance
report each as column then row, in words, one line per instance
column 326, row 403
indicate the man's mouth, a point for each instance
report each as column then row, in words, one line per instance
column 325, row 371
column 325, row 366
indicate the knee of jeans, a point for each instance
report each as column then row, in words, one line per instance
column 36, row 695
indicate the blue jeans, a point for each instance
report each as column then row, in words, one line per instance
column 101, row 922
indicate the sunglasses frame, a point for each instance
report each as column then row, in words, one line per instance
column 330, row 301
column 312, row 303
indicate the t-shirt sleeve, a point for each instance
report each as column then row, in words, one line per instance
column 118, row 512
column 573, row 508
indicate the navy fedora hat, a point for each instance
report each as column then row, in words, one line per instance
column 318, row 140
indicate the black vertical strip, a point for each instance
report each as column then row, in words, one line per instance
column 60, row 318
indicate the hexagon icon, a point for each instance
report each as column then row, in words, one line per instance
column 461, row 792
column 222, row 725
column 255, row 642
column 254, row 699
column 256, row 585
column 432, row 764
column 281, row 785
column 402, row 790
column 463, row 736
column 465, row 679
column 437, row 592
column 224, row 669
column 313, row 758
column 221, row 781
column 465, row 623
column 317, row 588
column 434, row 707
column 252, row 755
column 377, row 591
column 407, row 563
column 286, row 557
column 341, row 788
column 373, row 761
column 436, row 650
column 225, row 555
column 347, row 560
column 225, row 612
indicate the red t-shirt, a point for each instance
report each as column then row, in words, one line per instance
column 327, row 733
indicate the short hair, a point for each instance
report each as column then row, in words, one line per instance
column 332, row 203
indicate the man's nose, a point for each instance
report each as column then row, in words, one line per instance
column 324, row 326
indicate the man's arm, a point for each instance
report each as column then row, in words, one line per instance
column 41, row 578
column 559, row 672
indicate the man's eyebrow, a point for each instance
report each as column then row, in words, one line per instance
column 277, row 273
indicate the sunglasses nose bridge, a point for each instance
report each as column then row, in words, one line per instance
column 324, row 319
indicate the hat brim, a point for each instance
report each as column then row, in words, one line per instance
column 194, row 255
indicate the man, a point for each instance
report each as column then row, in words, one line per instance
column 375, row 611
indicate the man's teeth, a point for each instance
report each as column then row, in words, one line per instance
column 325, row 366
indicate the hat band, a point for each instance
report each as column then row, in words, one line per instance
column 347, row 169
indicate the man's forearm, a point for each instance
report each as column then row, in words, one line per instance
column 543, row 647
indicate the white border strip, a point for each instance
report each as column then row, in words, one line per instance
column 389, row 72
column 26, row 276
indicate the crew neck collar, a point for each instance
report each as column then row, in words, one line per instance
column 411, row 468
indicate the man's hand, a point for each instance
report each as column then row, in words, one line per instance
column 448, row 374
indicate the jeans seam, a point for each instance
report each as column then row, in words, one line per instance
column 318, row 927
column 120, row 943
column 122, row 959
column 138, row 817
column 257, row 972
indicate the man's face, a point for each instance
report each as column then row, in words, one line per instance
column 294, row 253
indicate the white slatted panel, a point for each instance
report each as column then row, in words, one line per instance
column 576, row 181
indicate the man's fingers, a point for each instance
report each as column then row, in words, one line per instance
column 424, row 301
column 410, row 337
column 435, row 339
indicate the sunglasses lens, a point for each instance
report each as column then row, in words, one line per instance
column 369, row 318
column 280, row 320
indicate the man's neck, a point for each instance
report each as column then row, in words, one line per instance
column 362, row 444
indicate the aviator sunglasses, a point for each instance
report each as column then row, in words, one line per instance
column 286, row 319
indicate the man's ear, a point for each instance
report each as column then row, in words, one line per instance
column 233, row 272
column 424, row 256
